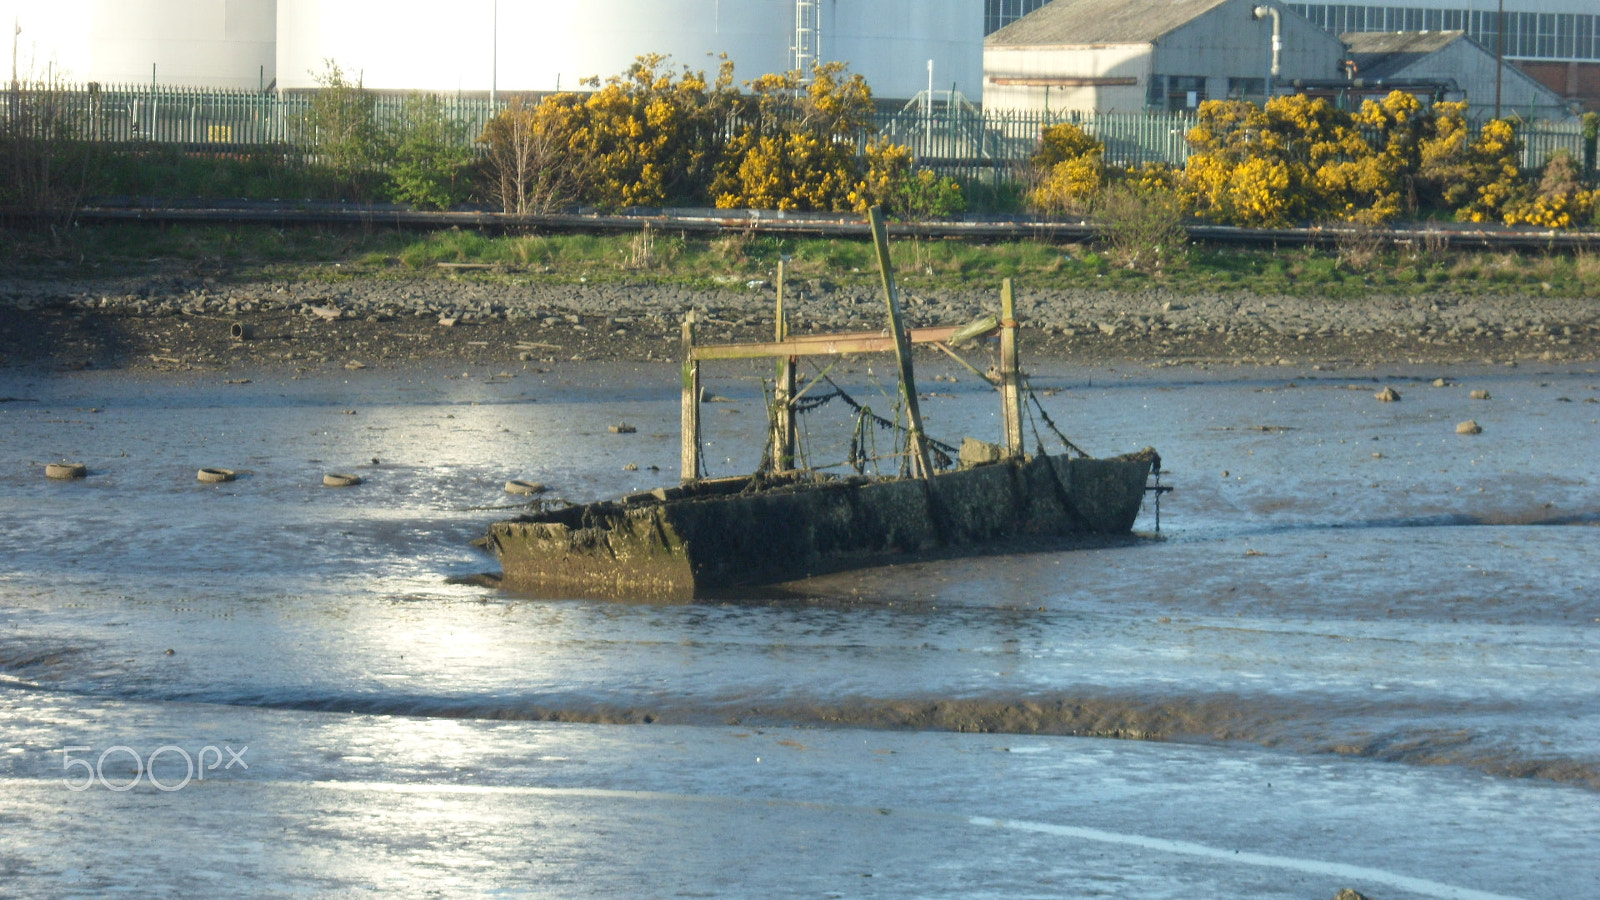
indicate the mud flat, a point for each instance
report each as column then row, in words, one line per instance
column 1362, row 658
column 177, row 322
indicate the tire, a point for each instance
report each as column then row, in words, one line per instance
column 335, row 479
column 216, row 476
column 65, row 471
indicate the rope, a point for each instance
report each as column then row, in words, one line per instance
column 861, row 435
column 1052, row 425
column 881, row 422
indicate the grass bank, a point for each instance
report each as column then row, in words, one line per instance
column 311, row 253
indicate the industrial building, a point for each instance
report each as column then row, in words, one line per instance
column 1555, row 41
column 208, row 43
column 485, row 46
column 1131, row 55
column 1463, row 68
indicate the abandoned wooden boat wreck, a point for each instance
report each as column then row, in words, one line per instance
column 783, row 523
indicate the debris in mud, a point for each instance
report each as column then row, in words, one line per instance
column 623, row 428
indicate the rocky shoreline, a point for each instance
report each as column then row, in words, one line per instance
column 167, row 322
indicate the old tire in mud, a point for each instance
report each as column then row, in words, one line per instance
column 65, row 471
column 337, row 479
column 215, row 476
column 524, row 488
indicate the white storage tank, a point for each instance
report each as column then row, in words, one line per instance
column 543, row 45
column 202, row 43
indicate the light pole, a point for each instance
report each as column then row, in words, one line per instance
column 1261, row 12
column 1499, row 54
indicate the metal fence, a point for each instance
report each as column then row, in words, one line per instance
column 208, row 116
column 957, row 141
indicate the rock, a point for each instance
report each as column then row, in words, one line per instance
column 979, row 453
column 1387, row 395
column 1440, row 382
column 1350, row 894
column 1479, row 395
column 1469, row 427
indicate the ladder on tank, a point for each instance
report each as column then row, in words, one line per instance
column 807, row 46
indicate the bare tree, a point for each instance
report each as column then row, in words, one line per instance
column 527, row 160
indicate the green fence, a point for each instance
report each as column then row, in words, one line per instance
column 958, row 141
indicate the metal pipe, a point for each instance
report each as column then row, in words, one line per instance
column 1261, row 12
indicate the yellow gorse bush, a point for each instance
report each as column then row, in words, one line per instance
column 1301, row 159
column 1071, row 171
column 653, row 136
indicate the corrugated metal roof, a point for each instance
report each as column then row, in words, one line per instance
column 1383, row 54
column 1101, row 22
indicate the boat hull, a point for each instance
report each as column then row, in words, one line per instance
column 672, row 545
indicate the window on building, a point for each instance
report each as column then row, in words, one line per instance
column 1545, row 43
column 997, row 14
column 1247, row 89
column 1528, row 35
column 1176, row 92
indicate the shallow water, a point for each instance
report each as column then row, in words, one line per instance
column 1391, row 623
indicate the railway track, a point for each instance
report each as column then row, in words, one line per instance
column 715, row 221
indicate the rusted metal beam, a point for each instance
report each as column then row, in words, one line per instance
column 827, row 344
column 1107, row 81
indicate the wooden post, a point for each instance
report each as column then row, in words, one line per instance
column 691, row 403
column 916, row 440
column 1010, row 373
column 783, row 436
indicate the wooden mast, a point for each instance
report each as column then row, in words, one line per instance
column 916, row 439
column 690, row 424
column 1010, row 374
column 783, row 431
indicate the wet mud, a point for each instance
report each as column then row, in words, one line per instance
column 1345, row 588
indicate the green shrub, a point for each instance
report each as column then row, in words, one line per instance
column 431, row 155
column 343, row 134
column 1143, row 228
